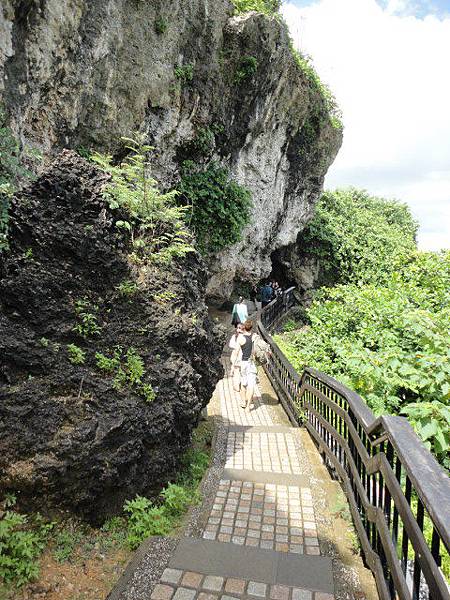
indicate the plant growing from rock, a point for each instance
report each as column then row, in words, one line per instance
column 184, row 74
column 247, row 68
column 220, row 207
column 87, row 325
column 161, row 25
column 154, row 220
column 128, row 370
column 127, row 288
column 268, row 7
column 76, row 355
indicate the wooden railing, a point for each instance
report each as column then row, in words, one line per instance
column 398, row 494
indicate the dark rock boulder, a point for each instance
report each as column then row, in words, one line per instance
column 74, row 435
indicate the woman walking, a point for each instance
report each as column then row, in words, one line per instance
column 249, row 372
column 240, row 312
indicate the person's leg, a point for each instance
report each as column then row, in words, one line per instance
column 244, row 382
column 251, row 382
column 237, row 378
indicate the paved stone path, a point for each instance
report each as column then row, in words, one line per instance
column 260, row 538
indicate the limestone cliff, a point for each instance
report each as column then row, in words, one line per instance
column 84, row 72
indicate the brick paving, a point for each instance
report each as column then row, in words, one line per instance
column 233, row 413
column 275, row 517
column 264, row 451
column 265, row 515
column 187, row 585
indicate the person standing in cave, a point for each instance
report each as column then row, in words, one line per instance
column 266, row 294
column 240, row 312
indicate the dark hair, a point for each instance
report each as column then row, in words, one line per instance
column 241, row 299
column 248, row 325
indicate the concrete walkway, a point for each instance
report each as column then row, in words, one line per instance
column 262, row 532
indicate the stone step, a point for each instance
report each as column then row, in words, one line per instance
column 266, row 477
column 261, row 428
column 313, row 573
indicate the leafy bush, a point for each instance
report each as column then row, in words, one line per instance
column 304, row 63
column 76, row 355
column 184, row 74
column 268, row 7
column 155, row 221
column 247, row 68
column 147, row 518
column 21, row 543
column 220, row 207
column 358, row 237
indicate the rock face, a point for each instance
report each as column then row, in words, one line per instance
column 72, row 435
column 83, row 73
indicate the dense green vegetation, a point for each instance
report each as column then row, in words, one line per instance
column 383, row 331
column 220, row 207
column 359, row 238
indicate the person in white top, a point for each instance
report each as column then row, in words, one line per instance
column 249, row 370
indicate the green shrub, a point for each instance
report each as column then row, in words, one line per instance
column 205, row 139
column 247, row 68
column 184, row 74
column 155, row 221
column 76, row 355
column 304, row 63
column 108, row 364
column 220, row 207
column 268, row 7
column 127, row 288
column 87, row 325
column 21, row 543
column 161, row 25
column 145, row 518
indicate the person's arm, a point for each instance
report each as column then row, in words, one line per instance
column 233, row 341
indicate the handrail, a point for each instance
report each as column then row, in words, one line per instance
column 398, row 494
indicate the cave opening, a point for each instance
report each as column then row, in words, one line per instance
column 281, row 269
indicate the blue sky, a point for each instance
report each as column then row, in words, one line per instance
column 416, row 8
column 387, row 62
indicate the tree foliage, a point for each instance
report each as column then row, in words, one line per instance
column 359, row 238
column 384, row 332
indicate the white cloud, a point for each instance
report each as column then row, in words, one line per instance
column 391, row 78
